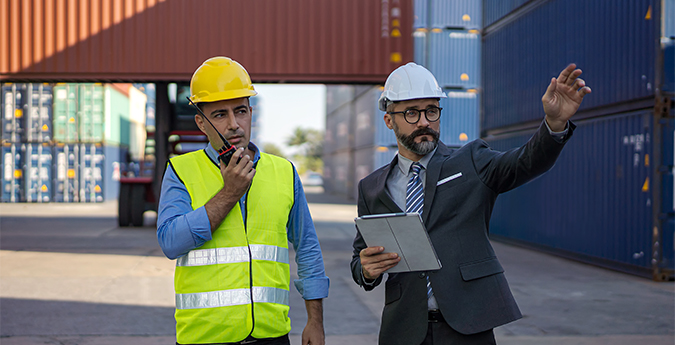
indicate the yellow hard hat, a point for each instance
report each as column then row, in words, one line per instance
column 220, row 78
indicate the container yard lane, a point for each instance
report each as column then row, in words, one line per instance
column 69, row 275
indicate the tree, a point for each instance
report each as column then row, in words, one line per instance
column 310, row 144
column 273, row 149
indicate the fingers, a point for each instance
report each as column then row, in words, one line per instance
column 565, row 74
column 549, row 90
column 374, row 262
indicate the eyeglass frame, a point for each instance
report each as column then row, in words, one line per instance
column 419, row 115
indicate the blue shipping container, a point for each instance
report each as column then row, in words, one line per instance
column 66, row 172
column 421, row 12
column 12, row 172
column 13, row 111
column 38, row 115
column 454, row 57
column 420, row 47
column 493, row 10
column 370, row 129
column 38, row 172
column 614, row 44
column 91, row 172
column 457, row 14
column 595, row 204
column 459, row 118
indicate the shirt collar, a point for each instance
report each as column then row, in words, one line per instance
column 405, row 163
column 211, row 152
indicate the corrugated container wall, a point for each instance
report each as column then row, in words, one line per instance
column 26, row 112
column 12, row 172
column 615, row 46
column 459, row 118
column 370, row 129
column 38, row 172
column 421, row 14
column 420, row 42
column 601, row 211
column 39, row 114
column 349, row 41
column 493, row 10
column 456, row 14
column 454, row 57
column 13, row 102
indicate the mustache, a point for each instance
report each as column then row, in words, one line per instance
column 425, row 131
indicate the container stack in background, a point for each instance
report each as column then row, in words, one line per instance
column 26, row 142
column 447, row 41
column 357, row 141
column 609, row 198
column 69, row 142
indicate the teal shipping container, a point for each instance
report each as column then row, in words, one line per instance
column 90, row 112
column 65, row 113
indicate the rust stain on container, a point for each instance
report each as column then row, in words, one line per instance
column 347, row 41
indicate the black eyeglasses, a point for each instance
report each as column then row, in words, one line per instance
column 412, row 116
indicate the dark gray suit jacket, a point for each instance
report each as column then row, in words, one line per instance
column 471, row 289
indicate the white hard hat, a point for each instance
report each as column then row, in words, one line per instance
column 410, row 81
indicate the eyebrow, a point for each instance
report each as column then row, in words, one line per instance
column 225, row 110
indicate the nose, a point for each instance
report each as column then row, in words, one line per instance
column 232, row 124
column 423, row 122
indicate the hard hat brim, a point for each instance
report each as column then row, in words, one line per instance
column 222, row 96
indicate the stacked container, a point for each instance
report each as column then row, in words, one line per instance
column 609, row 198
column 26, row 142
column 357, row 141
column 447, row 41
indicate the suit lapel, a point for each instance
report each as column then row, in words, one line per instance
column 433, row 173
column 381, row 186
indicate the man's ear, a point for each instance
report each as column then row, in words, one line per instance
column 388, row 120
column 200, row 123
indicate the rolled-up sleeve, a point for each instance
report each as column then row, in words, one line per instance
column 179, row 227
column 313, row 282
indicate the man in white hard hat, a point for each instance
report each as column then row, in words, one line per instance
column 454, row 192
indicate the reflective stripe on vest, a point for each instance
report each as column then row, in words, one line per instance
column 225, row 298
column 214, row 256
column 237, row 283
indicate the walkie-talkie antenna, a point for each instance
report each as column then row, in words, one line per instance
column 227, row 150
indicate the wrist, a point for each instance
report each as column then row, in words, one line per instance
column 556, row 125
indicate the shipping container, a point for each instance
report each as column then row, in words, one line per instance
column 367, row 160
column 91, row 165
column 349, row 41
column 116, row 115
column 337, row 96
column 456, row 14
column 339, row 173
column 256, row 124
column 339, row 125
column 454, row 57
column 38, row 114
column 65, row 113
column 13, row 106
column 493, row 10
column 615, row 44
column 37, row 172
column 370, row 129
column 66, row 172
column 113, row 165
column 460, row 117
column 420, row 43
column 90, row 109
column 421, row 14
column 12, row 172
column 596, row 203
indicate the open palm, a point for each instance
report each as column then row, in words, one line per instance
column 563, row 97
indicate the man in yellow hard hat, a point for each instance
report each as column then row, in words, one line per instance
column 228, row 224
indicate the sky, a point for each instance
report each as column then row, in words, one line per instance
column 284, row 107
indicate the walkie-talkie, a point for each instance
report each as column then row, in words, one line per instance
column 226, row 151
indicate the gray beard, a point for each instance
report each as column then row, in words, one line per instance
column 421, row 148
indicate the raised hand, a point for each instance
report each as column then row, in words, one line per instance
column 563, row 97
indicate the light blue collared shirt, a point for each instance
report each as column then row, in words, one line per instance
column 181, row 229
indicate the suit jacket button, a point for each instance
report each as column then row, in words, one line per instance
column 421, row 275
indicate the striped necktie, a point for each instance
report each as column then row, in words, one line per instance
column 414, row 202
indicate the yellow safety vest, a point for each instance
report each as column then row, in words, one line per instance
column 236, row 284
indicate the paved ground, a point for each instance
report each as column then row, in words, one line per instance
column 69, row 275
